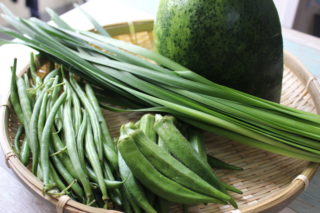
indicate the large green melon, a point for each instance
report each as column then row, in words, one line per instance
column 237, row 43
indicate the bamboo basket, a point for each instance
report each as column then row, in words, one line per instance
column 269, row 182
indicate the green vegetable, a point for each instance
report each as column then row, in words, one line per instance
column 172, row 168
column 154, row 180
column 63, row 157
column 174, row 89
column 42, row 116
column 233, row 43
column 25, row 102
column 133, row 187
column 17, row 139
column 76, row 112
column 137, row 73
column 108, row 145
column 92, row 115
column 34, row 131
column 81, row 132
column 159, row 85
column 72, row 147
column 111, row 184
column 56, row 179
column 147, row 126
column 94, row 161
column 67, row 176
column 14, row 98
column 219, row 164
column 52, row 74
column 45, row 141
column 25, row 152
column 196, row 140
column 178, row 145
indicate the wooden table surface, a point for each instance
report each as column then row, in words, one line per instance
column 15, row 198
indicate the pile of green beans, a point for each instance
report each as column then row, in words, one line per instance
column 66, row 140
column 171, row 166
column 67, row 144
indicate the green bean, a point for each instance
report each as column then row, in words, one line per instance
column 24, row 101
column 67, row 176
column 33, row 70
column 154, row 180
column 29, row 90
column 25, row 152
column 64, row 158
column 104, row 127
column 40, row 175
column 133, row 187
column 34, row 131
column 14, row 98
column 63, row 150
column 76, row 112
column 26, row 80
column 107, row 171
column 42, row 116
column 26, row 110
column 92, row 115
column 110, row 184
column 17, row 139
column 55, row 91
column 56, row 179
column 50, row 75
column 80, row 139
column 45, row 141
column 72, row 147
column 111, row 156
column 115, row 194
column 33, row 66
column 94, row 161
column 113, row 184
column 58, row 120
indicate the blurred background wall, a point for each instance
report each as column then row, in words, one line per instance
column 18, row 7
column 301, row 15
column 307, row 17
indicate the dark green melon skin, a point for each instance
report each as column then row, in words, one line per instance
column 236, row 43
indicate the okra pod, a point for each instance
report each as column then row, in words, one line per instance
column 154, row 180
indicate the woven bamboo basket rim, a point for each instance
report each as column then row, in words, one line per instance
column 139, row 32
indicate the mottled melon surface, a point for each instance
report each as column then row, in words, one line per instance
column 237, row 43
